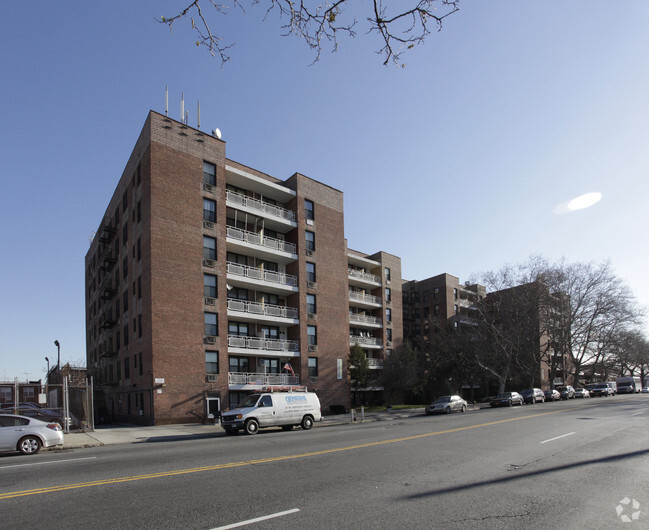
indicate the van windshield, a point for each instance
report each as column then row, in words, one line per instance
column 250, row 401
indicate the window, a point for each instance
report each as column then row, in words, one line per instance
column 209, row 247
column 211, row 327
column 436, row 292
column 140, row 363
column 124, row 202
column 387, row 274
column 310, row 272
column 139, row 250
column 455, row 309
column 388, row 294
column 209, row 285
column 388, row 334
column 125, row 234
column 139, row 287
column 238, row 328
column 127, row 369
column 209, row 173
column 125, row 300
column 125, row 267
column 271, row 366
column 455, row 294
column 139, row 211
column 238, row 364
column 270, row 332
column 125, row 334
column 238, row 293
column 312, row 335
column 426, row 295
column 313, row 367
column 310, row 240
column 209, row 210
column 388, row 315
column 139, row 325
column 436, row 310
column 211, row 362
column 310, row 303
column 308, row 209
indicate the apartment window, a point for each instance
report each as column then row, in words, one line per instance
column 310, row 240
column 426, row 312
column 436, row 292
column 125, row 234
column 388, row 315
column 139, row 175
column 209, row 285
column 455, row 309
column 139, row 250
column 117, row 308
column 125, row 300
column 124, row 202
column 310, row 303
column 312, row 335
column 313, row 367
column 426, row 295
column 387, row 274
column 406, row 313
column 209, row 173
column 270, row 365
column 140, row 363
column 310, row 272
column 125, row 334
column 415, row 313
column 455, row 294
column 238, row 364
column 211, row 362
column 436, row 310
column 209, row 210
column 139, row 325
column 308, row 209
column 270, row 332
column 139, row 211
column 127, row 369
column 209, row 247
column 388, row 334
column 388, row 294
column 238, row 293
column 211, row 327
column 139, row 287
column 239, row 329
column 125, row 267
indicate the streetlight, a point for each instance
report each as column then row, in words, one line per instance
column 48, row 369
column 58, row 358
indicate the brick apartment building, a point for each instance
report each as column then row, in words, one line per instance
column 208, row 279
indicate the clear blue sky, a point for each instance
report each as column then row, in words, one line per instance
column 512, row 109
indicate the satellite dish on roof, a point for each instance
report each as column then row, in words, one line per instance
column 216, row 132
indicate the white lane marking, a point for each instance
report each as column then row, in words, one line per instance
column 556, row 438
column 637, row 413
column 258, row 519
column 50, row 462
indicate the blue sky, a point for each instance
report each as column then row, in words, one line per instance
column 512, row 109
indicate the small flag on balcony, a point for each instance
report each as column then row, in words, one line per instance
column 288, row 367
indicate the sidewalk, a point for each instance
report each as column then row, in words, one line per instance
column 125, row 434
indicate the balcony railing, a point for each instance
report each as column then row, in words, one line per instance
column 260, row 206
column 258, row 274
column 364, row 319
column 366, row 276
column 248, row 378
column 364, row 341
column 375, row 363
column 361, row 297
column 257, row 343
column 257, row 308
column 263, row 241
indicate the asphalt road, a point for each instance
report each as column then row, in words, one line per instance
column 577, row 464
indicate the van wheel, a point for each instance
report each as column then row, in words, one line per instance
column 307, row 423
column 252, row 427
column 287, row 427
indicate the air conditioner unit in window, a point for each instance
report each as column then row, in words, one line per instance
column 209, row 339
column 209, row 263
column 209, row 225
column 389, row 343
column 310, row 285
column 309, row 252
column 313, row 347
column 310, row 315
column 208, row 187
column 209, row 301
column 313, row 379
column 212, row 378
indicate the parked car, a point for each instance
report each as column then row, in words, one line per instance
column 645, row 389
column 600, row 389
column 506, row 399
column 533, row 395
column 27, row 435
column 37, row 412
column 567, row 392
column 581, row 393
column 552, row 395
column 446, row 404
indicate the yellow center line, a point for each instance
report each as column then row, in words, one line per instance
column 103, row 482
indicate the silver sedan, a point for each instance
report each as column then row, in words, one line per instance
column 446, row 404
column 27, row 435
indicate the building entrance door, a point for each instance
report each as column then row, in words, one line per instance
column 213, row 407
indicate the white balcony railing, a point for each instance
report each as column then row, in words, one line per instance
column 368, row 341
column 263, row 241
column 361, row 297
column 260, row 206
column 255, row 273
column 259, row 343
column 257, row 308
column 375, row 363
column 364, row 319
column 249, row 378
column 366, row 276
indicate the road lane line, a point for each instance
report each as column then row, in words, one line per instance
column 637, row 413
column 257, row 519
column 50, row 462
column 557, row 437
column 117, row 480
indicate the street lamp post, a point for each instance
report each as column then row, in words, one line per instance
column 48, row 370
column 58, row 355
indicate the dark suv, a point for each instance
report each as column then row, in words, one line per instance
column 567, row 392
column 533, row 395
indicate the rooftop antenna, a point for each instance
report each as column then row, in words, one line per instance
column 166, row 100
column 186, row 117
column 182, row 106
column 198, row 114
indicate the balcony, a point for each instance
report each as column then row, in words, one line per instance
column 256, row 311
column 249, row 380
column 262, row 346
column 357, row 277
column 363, row 299
column 375, row 364
column 272, row 282
column 265, row 247
column 365, row 342
column 275, row 214
column 365, row 320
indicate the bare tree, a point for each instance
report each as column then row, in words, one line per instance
column 399, row 25
column 400, row 374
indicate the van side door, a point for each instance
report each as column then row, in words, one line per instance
column 266, row 411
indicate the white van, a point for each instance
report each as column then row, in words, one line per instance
column 273, row 409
